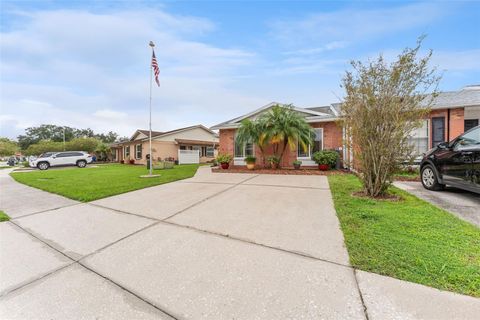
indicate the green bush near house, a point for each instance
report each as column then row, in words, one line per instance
column 250, row 159
column 224, row 158
column 408, row 239
column 326, row 157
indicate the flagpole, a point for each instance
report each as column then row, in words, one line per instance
column 152, row 45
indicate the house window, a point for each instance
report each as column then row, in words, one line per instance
column 210, row 152
column 138, row 151
column 317, row 145
column 419, row 139
column 243, row 150
column 470, row 123
column 127, row 151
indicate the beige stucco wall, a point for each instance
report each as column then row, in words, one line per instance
column 193, row 134
column 164, row 147
column 472, row 112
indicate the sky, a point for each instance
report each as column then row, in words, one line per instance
column 87, row 63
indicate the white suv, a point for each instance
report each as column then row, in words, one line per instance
column 66, row 158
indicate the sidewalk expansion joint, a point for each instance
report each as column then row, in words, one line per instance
column 365, row 311
column 247, row 241
column 43, row 211
column 208, row 198
column 138, row 296
column 29, row 282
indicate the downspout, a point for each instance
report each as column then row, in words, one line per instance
column 448, row 125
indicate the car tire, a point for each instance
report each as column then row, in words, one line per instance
column 43, row 165
column 429, row 179
column 81, row 163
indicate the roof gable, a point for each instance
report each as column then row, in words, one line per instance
column 251, row 115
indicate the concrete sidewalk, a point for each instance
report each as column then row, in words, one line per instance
column 214, row 246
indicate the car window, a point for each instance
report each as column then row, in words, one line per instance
column 468, row 140
column 46, row 155
column 77, row 154
column 64, row 154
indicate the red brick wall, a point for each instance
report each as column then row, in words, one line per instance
column 226, row 141
column 456, row 122
column 332, row 139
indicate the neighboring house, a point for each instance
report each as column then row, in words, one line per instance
column 452, row 113
column 167, row 145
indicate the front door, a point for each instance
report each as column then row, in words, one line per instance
column 438, row 131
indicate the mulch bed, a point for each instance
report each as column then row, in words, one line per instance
column 285, row 171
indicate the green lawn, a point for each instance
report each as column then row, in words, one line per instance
column 408, row 239
column 94, row 183
column 3, row 216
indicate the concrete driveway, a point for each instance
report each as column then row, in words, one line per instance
column 463, row 204
column 215, row 246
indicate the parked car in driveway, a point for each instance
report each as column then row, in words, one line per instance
column 455, row 163
column 66, row 158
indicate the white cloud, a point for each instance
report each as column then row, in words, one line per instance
column 84, row 69
column 353, row 25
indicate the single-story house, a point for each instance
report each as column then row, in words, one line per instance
column 451, row 114
column 169, row 145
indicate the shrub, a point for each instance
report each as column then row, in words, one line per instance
column 297, row 162
column 326, row 157
column 384, row 102
column 26, row 164
column 224, row 158
column 250, row 159
column 273, row 161
column 82, row 144
column 44, row 146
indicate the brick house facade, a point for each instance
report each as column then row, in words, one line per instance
column 450, row 115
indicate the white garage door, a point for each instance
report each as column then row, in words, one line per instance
column 188, row 156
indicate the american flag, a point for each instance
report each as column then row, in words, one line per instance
column 156, row 70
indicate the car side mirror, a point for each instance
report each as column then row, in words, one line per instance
column 443, row 145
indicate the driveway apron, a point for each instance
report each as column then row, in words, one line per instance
column 215, row 246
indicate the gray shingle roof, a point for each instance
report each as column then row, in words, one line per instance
column 469, row 96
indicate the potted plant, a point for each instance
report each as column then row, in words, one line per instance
column 250, row 160
column 131, row 161
column 297, row 164
column 273, row 161
column 224, row 160
column 325, row 159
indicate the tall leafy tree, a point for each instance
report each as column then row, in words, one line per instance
column 252, row 131
column 383, row 103
column 7, row 147
column 284, row 127
column 56, row 133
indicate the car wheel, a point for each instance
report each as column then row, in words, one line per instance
column 81, row 164
column 43, row 165
column 430, row 180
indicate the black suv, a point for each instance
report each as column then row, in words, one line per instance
column 456, row 163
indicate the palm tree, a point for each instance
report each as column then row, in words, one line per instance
column 252, row 131
column 103, row 150
column 282, row 127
